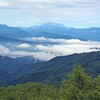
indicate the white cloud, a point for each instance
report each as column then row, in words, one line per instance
column 37, row 39
column 4, row 50
column 4, row 3
column 60, row 47
column 59, row 41
column 37, row 55
column 67, row 49
column 24, row 45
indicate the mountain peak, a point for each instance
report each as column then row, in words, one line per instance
column 49, row 24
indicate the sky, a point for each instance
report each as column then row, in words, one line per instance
column 72, row 13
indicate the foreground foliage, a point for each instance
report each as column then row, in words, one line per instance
column 77, row 86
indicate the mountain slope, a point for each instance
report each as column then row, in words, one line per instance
column 5, row 76
column 89, row 60
column 9, row 64
column 58, row 67
column 13, row 65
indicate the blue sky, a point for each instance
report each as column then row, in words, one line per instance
column 72, row 13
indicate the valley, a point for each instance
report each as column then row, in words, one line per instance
column 43, row 55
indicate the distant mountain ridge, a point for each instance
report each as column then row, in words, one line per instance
column 52, row 30
column 5, row 39
column 13, row 32
column 92, row 34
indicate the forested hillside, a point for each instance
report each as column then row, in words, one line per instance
column 54, row 69
column 77, row 86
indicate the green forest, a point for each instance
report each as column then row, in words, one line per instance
column 78, row 85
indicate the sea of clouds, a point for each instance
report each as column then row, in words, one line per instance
column 47, row 48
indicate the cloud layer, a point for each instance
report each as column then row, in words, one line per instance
column 4, row 3
column 49, row 49
column 76, row 13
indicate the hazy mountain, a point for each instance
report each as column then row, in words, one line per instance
column 47, row 27
column 51, row 35
column 58, row 67
column 92, row 34
column 51, row 30
column 5, row 39
column 84, row 34
column 13, row 32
